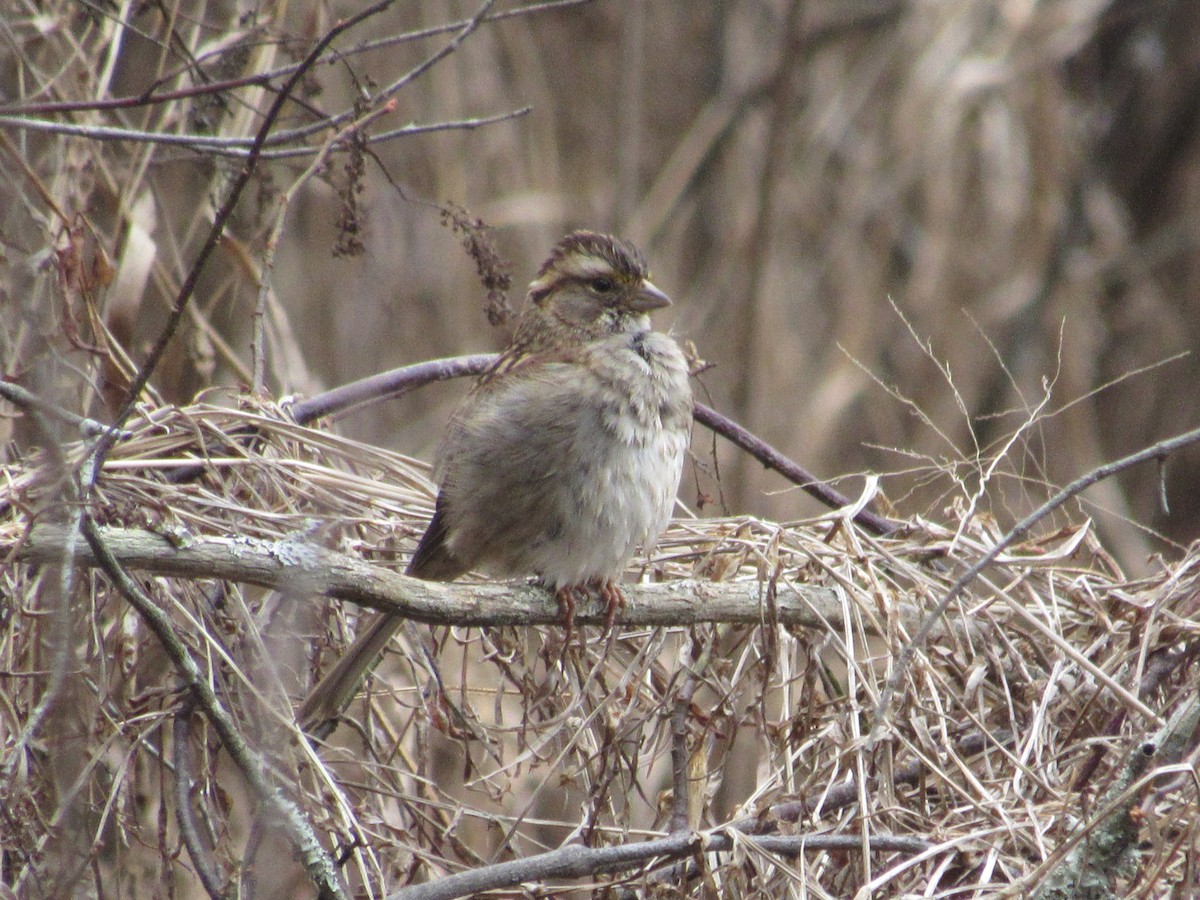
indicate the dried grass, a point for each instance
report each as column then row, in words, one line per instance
column 1017, row 178
column 478, row 745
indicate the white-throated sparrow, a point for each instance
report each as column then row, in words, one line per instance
column 565, row 457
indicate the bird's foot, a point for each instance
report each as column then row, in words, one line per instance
column 568, row 598
column 614, row 600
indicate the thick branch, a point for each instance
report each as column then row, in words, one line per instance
column 574, row 861
column 299, row 567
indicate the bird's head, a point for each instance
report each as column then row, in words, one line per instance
column 594, row 285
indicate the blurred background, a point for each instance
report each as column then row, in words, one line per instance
column 951, row 243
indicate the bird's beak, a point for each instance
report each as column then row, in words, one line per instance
column 648, row 298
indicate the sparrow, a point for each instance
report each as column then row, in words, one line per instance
column 563, row 460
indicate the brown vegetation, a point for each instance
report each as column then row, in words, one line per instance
column 951, row 244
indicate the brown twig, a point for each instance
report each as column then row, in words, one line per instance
column 197, row 847
column 1153, row 452
column 27, row 400
column 319, row 865
column 794, row 472
column 263, row 79
column 239, row 148
column 680, row 757
column 188, row 287
column 387, row 385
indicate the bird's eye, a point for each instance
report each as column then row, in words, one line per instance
column 603, row 285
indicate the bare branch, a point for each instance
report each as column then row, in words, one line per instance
column 1100, row 849
column 243, row 148
column 794, row 472
column 388, row 384
column 574, row 861
column 198, row 850
column 17, row 114
column 27, row 400
column 298, row 568
column 250, row 763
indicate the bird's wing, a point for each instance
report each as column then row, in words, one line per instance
column 508, row 454
column 432, row 560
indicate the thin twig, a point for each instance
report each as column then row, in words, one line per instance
column 794, row 472
column 197, row 848
column 319, row 865
column 188, row 287
column 243, row 148
column 450, row 125
column 27, row 400
column 461, row 34
column 1080, row 484
column 263, row 79
column 434, row 58
column 681, row 793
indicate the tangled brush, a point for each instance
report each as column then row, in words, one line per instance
column 733, row 733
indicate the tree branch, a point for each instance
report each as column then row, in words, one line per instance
column 257, row 79
column 30, row 402
column 389, row 384
column 250, row 763
column 1089, row 860
column 296, row 567
column 197, row 847
column 574, row 861
column 792, row 471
